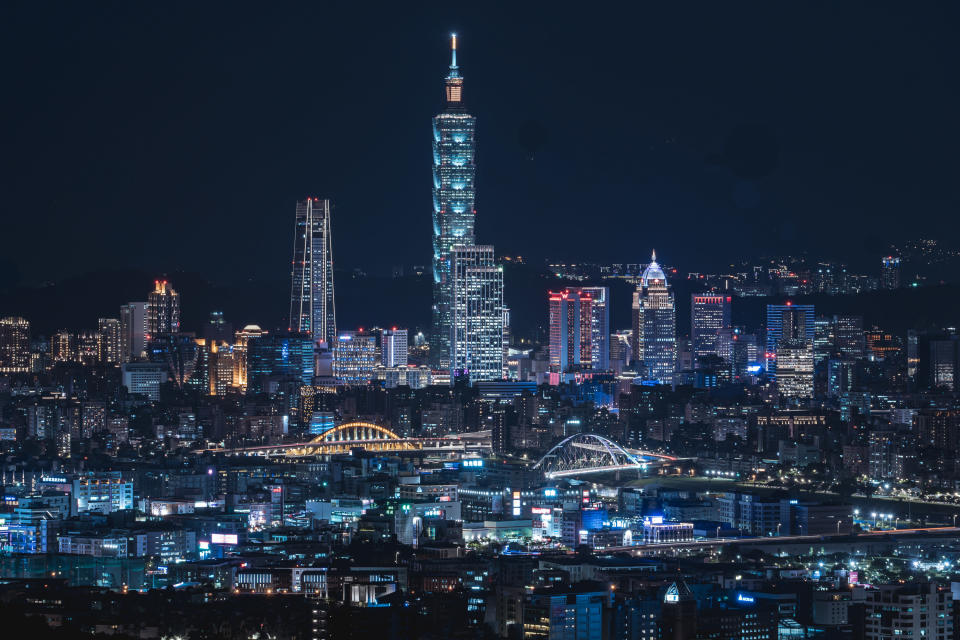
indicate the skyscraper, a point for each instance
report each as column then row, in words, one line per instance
column 476, row 344
column 393, row 347
column 14, row 345
column 312, row 310
column 163, row 310
column 710, row 322
column 109, row 339
column 454, row 190
column 655, row 325
column 571, row 337
column 890, row 272
column 133, row 322
column 599, row 327
column 787, row 321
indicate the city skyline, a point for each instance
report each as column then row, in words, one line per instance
column 510, row 419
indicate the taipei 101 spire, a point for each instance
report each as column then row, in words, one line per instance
column 454, row 190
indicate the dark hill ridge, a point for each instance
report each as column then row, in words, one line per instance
column 76, row 303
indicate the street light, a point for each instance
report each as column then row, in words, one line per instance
column 778, row 529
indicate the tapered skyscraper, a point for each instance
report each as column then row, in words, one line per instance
column 311, row 291
column 454, row 189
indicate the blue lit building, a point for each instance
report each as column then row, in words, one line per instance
column 794, row 322
column 279, row 356
column 454, row 189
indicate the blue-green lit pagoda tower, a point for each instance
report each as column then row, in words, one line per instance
column 454, row 189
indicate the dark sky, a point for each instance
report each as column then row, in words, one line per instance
column 178, row 135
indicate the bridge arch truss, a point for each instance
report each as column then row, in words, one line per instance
column 585, row 453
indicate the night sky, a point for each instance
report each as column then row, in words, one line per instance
column 168, row 136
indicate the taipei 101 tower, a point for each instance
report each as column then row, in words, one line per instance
column 454, row 190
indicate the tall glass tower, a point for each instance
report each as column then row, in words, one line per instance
column 311, row 276
column 454, row 189
column 655, row 325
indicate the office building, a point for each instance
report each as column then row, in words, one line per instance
column 710, row 326
column 655, row 326
column 944, row 362
column 109, row 340
column 393, row 347
column 839, row 376
column 14, row 345
column 678, row 614
column 476, row 341
column 599, row 327
column 220, row 368
column 795, row 368
column 312, row 309
column 133, row 327
column 286, row 356
column 890, row 272
column 849, row 336
column 787, row 321
column 241, row 338
column 578, row 613
column 571, row 334
column 163, row 310
column 144, row 378
column 354, row 357
column 454, row 190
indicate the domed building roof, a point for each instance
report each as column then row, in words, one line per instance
column 653, row 272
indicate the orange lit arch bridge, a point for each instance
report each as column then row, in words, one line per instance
column 369, row 436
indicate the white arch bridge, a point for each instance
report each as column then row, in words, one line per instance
column 586, row 453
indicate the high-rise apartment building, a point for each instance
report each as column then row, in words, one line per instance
column 14, row 345
column 476, row 339
column 163, row 310
column 787, row 321
column 890, row 272
column 655, row 325
column 63, row 346
column 109, row 339
column 710, row 323
column 454, row 190
column 312, row 309
column 393, row 347
column 921, row 610
column 133, row 326
column 571, row 335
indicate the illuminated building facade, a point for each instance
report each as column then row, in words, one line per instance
column 109, row 337
column 655, row 325
column 710, row 324
column 570, row 330
column 241, row 339
column 287, row 356
column 163, row 310
column 787, row 321
column 795, row 368
column 454, row 190
column 14, row 345
column 312, row 308
column 393, row 347
column 476, row 344
column 354, row 357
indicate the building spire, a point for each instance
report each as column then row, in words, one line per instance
column 653, row 257
column 454, row 81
